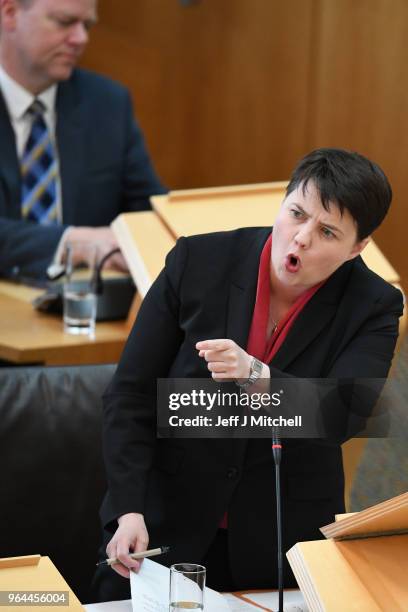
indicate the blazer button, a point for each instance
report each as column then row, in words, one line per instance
column 232, row 472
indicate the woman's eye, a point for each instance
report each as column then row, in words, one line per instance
column 296, row 213
column 327, row 233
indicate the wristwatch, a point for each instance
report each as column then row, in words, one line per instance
column 255, row 371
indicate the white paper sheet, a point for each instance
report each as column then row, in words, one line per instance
column 237, row 605
column 110, row 606
column 150, row 591
column 293, row 601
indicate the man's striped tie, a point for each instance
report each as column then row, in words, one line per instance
column 39, row 171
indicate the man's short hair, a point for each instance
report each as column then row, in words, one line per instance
column 349, row 180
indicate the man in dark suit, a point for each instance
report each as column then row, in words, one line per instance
column 95, row 155
column 251, row 307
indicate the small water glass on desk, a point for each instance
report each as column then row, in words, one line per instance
column 81, row 260
column 187, row 585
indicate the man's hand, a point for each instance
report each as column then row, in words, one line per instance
column 105, row 240
column 225, row 359
column 130, row 536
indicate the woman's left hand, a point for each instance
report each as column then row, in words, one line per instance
column 225, row 359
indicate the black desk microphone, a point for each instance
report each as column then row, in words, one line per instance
column 97, row 281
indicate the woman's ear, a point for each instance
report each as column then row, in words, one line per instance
column 358, row 247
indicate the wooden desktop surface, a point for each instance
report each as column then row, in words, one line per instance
column 28, row 336
column 145, row 241
column 199, row 211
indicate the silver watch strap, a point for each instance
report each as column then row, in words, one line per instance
column 255, row 371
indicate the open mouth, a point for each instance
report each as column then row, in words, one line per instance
column 292, row 263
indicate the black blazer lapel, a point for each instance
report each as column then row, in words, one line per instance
column 70, row 142
column 242, row 290
column 314, row 317
column 10, row 192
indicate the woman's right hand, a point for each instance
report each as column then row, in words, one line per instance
column 130, row 536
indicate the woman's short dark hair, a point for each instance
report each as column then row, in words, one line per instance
column 349, row 180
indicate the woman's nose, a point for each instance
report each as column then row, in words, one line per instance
column 304, row 238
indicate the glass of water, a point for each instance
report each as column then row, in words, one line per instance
column 187, row 585
column 81, row 260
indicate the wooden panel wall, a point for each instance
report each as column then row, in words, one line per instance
column 235, row 91
column 359, row 98
column 214, row 83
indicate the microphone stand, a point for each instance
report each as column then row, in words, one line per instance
column 97, row 282
column 60, row 270
column 277, row 454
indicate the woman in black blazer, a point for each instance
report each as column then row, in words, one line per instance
column 335, row 319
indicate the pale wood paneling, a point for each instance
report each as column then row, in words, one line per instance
column 221, row 87
column 235, row 91
column 359, row 98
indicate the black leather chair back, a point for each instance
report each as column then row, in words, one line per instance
column 52, row 475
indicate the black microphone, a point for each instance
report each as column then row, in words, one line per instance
column 97, row 282
column 57, row 271
column 277, row 455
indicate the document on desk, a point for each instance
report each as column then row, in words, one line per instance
column 293, row 602
column 110, row 606
column 150, row 590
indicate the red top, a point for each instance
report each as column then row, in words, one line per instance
column 258, row 345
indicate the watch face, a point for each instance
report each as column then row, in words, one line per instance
column 257, row 366
column 256, row 370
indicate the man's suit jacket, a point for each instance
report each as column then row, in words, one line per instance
column 104, row 166
column 183, row 487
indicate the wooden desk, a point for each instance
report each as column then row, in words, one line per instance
column 28, row 336
column 145, row 238
column 145, row 241
column 198, row 211
column 268, row 598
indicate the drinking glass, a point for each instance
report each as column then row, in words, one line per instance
column 187, row 584
column 81, row 259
